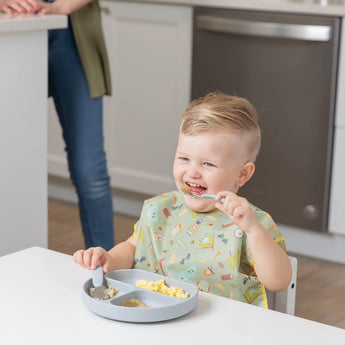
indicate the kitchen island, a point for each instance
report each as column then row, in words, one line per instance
column 23, row 129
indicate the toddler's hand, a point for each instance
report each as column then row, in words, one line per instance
column 238, row 209
column 91, row 257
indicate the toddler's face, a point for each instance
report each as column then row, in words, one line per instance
column 209, row 162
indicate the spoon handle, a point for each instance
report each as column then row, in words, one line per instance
column 97, row 276
column 211, row 196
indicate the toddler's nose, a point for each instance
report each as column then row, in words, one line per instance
column 193, row 172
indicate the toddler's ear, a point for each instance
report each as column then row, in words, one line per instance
column 246, row 173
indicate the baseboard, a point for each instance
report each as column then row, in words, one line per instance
column 323, row 246
column 126, row 203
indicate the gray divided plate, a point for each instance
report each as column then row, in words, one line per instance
column 162, row 307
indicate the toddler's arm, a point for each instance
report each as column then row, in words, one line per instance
column 119, row 257
column 271, row 263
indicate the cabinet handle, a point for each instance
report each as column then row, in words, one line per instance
column 105, row 9
column 266, row 29
column 311, row 212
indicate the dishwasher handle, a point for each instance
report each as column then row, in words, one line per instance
column 266, row 29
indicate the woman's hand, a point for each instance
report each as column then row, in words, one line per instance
column 62, row 6
column 20, row 6
column 35, row 6
column 57, row 7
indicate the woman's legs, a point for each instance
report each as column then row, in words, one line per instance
column 81, row 119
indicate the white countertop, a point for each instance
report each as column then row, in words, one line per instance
column 41, row 304
column 319, row 7
column 30, row 22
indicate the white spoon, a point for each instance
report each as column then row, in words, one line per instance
column 186, row 190
column 97, row 281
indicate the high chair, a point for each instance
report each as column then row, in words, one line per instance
column 284, row 301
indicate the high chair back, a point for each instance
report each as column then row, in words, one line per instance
column 284, row 301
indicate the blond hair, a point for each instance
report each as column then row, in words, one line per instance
column 219, row 112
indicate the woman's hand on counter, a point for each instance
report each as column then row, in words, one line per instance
column 62, row 6
column 19, row 6
column 35, row 6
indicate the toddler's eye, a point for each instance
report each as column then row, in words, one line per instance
column 209, row 164
column 184, row 159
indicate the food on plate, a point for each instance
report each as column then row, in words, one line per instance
column 161, row 287
column 109, row 292
column 134, row 303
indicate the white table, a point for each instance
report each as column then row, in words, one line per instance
column 41, row 304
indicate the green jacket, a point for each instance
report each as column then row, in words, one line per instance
column 89, row 37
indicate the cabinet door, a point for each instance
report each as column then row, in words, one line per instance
column 150, row 55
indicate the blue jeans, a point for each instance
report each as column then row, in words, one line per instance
column 81, row 119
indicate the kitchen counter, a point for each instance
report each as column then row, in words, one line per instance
column 319, row 7
column 30, row 22
column 23, row 129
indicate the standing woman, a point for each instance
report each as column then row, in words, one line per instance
column 79, row 76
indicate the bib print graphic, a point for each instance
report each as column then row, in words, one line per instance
column 205, row 249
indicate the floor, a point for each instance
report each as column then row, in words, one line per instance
column 320, row 284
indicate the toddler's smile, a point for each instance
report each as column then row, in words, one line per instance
column 196, row 189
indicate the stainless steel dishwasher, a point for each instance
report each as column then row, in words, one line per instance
column 286, row 66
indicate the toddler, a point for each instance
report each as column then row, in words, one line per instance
column 225, row 245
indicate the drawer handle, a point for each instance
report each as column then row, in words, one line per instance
column 266, row 29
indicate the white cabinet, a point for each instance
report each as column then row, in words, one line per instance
column 337, row 205
column 23, row 140
column 149, row 48
column 337, row 209
column 23, row 130
column 150, row 53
